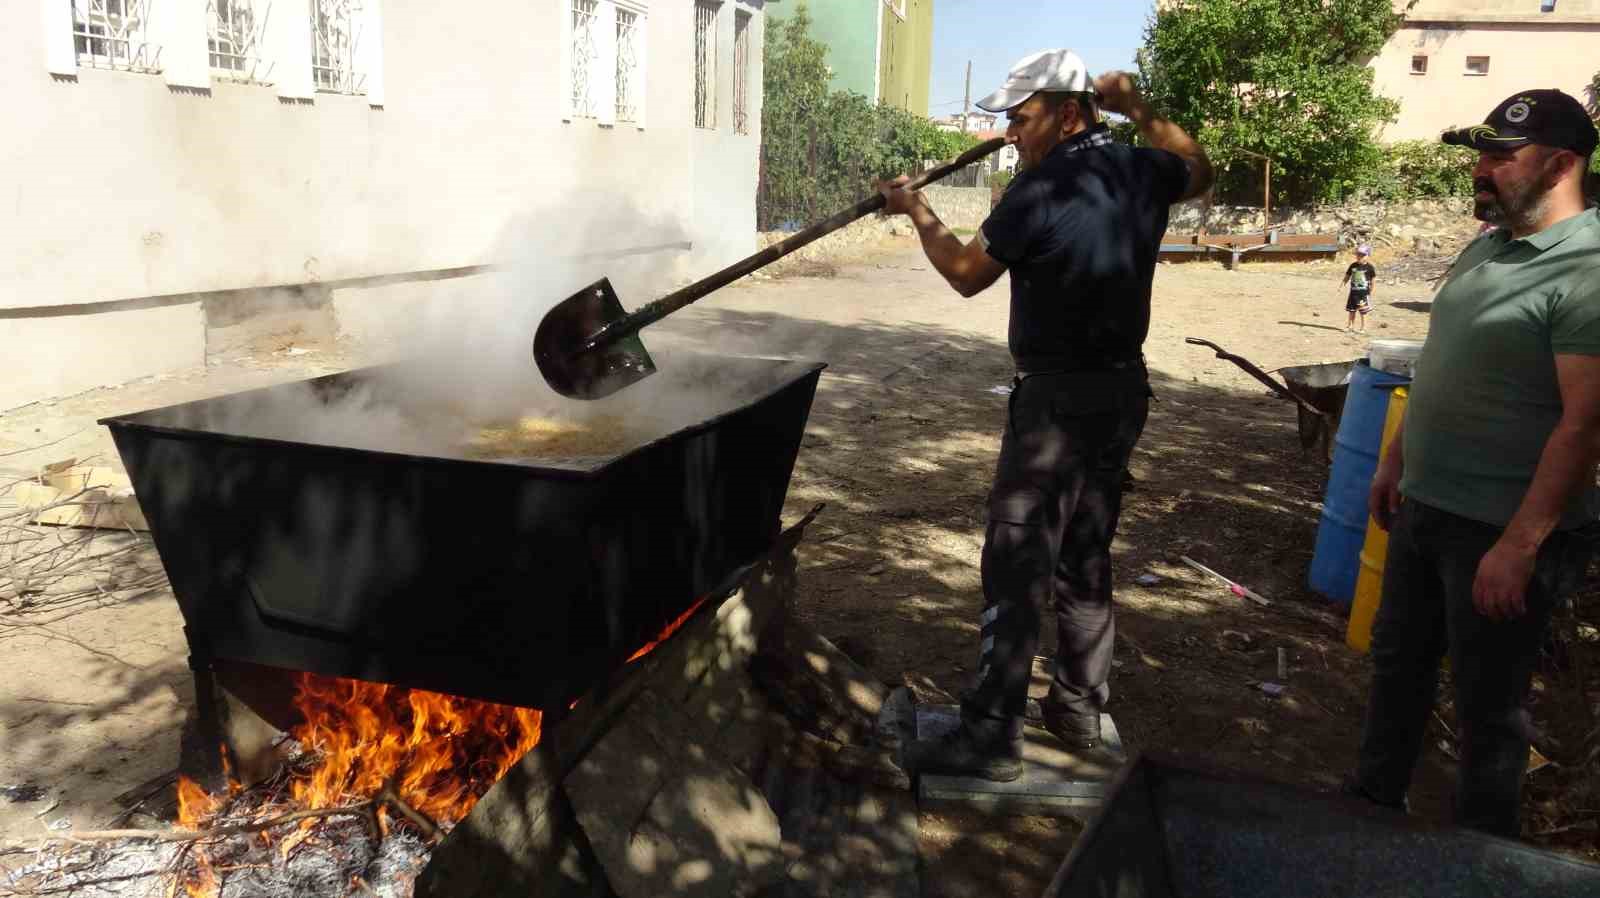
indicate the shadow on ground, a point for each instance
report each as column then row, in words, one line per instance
column 1423, row 307
column 1320, row 327
column 901, row 444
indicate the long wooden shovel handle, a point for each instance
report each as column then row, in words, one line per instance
column 652, row 312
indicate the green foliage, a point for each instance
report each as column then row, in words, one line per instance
column 1284, row 79
column 1594, row 110
column 1412, row 169
column 823, row 150
column 1001, row 179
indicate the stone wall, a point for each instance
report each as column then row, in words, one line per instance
column 1416, row 225
column 960, row 207
column 848, row 244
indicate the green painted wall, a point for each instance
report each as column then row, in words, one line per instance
column 849, row 28
column 907, row 59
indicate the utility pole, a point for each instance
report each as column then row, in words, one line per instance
column 967, row 98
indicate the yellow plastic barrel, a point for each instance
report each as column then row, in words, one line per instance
column 1374, row 550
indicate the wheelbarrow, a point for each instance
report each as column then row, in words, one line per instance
column 1317, row 391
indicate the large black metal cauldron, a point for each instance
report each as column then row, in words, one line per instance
column 513, row 582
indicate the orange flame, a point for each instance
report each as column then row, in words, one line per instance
column 667, row 631
column 442, row 752
column 195, row 807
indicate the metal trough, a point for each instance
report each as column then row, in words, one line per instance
column 520, row 583
column 1167, row 832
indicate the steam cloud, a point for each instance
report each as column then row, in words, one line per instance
column 463, row 354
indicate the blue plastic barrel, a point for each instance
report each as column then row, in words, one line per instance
column 1336, row 562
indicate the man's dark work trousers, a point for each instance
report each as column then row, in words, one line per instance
column 1052, row 515
column 1426, row 610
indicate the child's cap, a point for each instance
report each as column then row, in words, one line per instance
column 1364, row 249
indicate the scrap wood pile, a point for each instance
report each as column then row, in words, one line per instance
column 1418, row 267
column 72, row 539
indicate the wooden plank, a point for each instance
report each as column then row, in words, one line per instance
column 103, row 507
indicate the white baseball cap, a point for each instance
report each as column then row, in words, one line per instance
column 1052, row 70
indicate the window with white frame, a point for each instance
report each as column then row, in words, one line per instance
column 335, row 33
column 705, row 63
column 741, row 72
column 603, row 60
column 586, row 70
column 630, row 80
column 112, row 34
column 233, row 39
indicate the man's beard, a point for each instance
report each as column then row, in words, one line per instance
column 1520, row 205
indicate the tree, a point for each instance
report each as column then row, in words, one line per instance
column 1284, row 79
column 822, row 150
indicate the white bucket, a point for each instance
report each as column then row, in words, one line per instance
column 1398, row 357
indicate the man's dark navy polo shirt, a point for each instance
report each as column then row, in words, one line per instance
column 1080, row 234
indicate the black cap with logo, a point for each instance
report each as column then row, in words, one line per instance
column 1545, row 117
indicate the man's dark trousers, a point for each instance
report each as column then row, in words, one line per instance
column 1052, row 515
column 1426, row 610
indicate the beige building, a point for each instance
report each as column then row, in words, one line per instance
column 1453, row 60
column 166, row 160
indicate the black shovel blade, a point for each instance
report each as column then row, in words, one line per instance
column 593, row 373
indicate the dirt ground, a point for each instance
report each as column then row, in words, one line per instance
column 901, row 447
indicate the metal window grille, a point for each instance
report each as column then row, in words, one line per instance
column 1477, row 65
column 741, row 72
column 110, row 34
column 1419, row 65
column 705, row 63
column 628, row 74
column 335, row 30
column 233, row 38
column 585, row 57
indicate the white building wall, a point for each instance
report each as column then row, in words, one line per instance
column 118, row 186
column 726, row 233
column 1526, row 49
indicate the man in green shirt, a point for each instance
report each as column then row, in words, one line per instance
column 1485, row 487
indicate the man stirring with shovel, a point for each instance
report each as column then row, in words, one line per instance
column 1079, row 229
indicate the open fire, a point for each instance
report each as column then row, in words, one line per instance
column 438, row 754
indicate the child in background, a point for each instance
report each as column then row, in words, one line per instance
column 1359, row 276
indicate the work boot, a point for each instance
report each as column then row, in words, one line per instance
column 1074, row 730
column 1080, row 737
column 961, row 752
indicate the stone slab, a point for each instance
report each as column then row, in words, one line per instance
column 669, row 816
column 1054, row 783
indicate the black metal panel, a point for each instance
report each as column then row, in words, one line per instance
column 507, row 582
column 1167, row 832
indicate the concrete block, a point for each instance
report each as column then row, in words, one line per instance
column 1054, row 782
column 669, row 816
